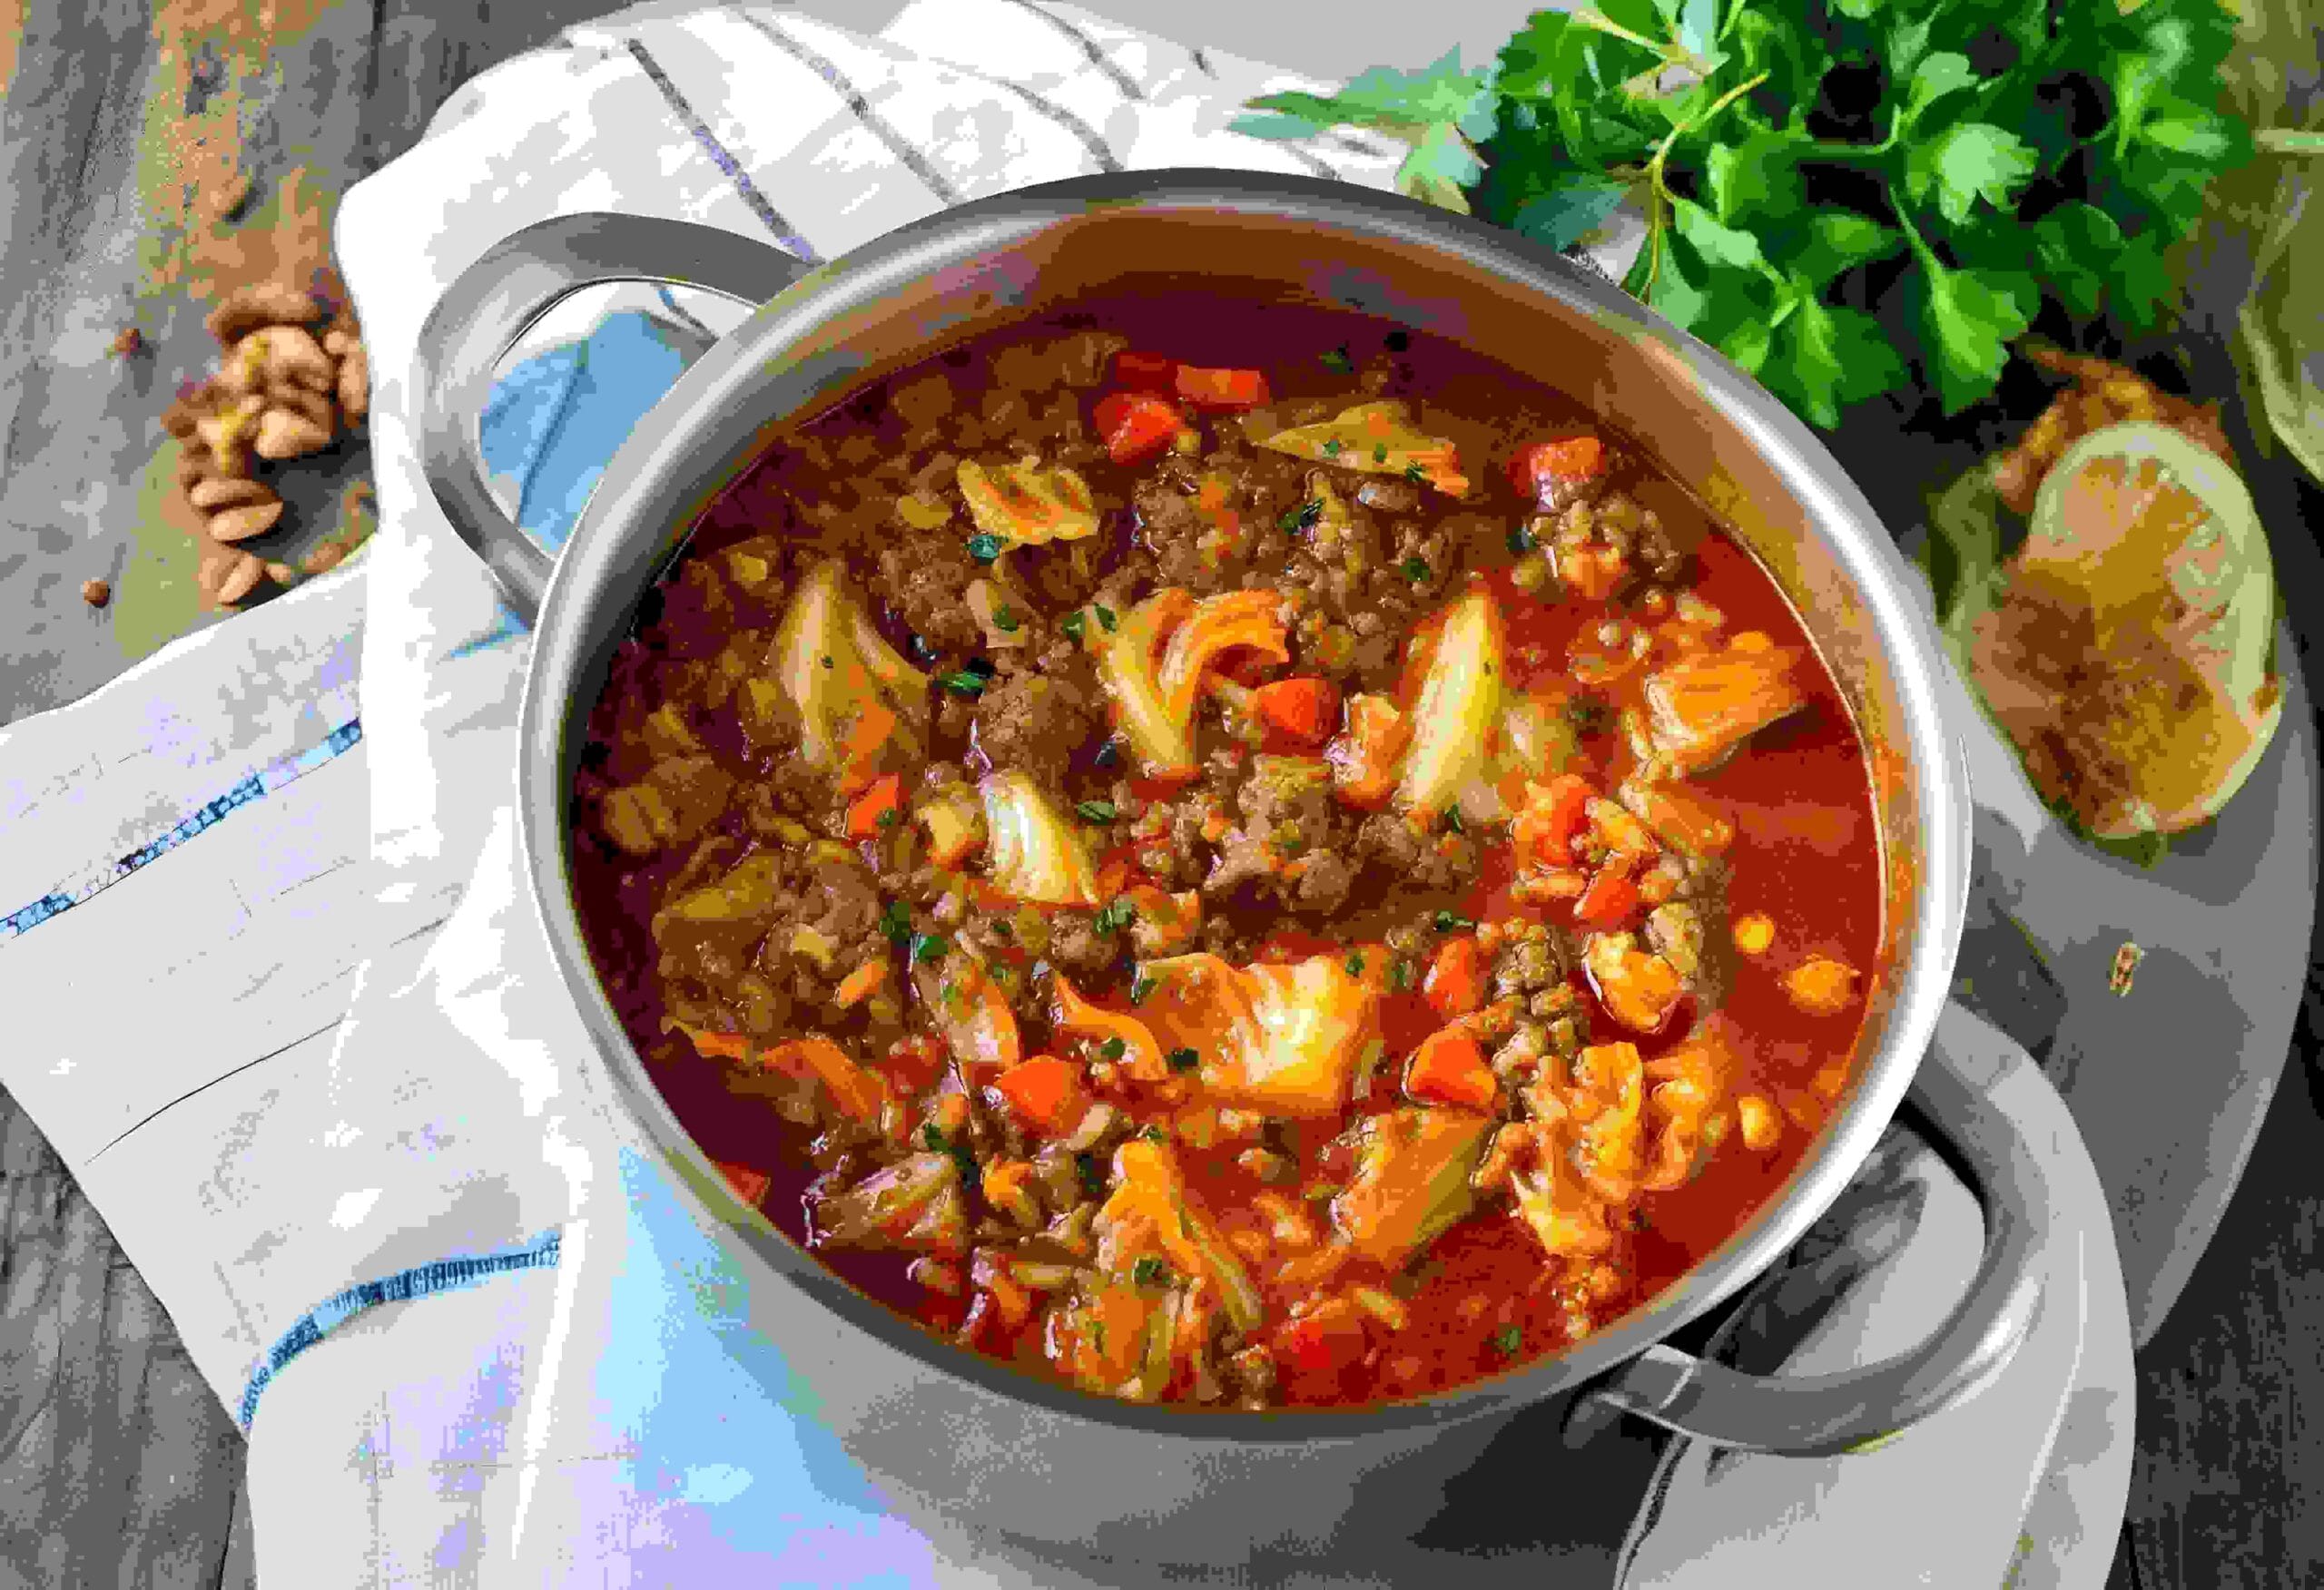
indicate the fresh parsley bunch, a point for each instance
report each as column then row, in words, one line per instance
column 1847, row 197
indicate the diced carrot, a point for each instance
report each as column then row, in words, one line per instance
column 1558, row 811
column 1145, row 372
column 1455, row 985
column 1074, row 1017
column 860, row 983
column 1307, row 710
column 1611, row 897
column 1594, row 572
column 870, row 732
column 749, row 1185
column 1540, row 465
column 1217, row 625
column 876, row 809
column 1821, row 987
column 1221, row 388
column 1449, row 1068
column 856, row 1091
column 1365, row 758
column 720, row 1046
column 1323, row 1342
column 1045, row 1092
column 1136, row 425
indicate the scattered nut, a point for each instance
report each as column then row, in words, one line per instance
column 180, row 419
column 282, row 573
column 231, row 198
column 313, row 406
column 242, row 524
column 240, row 580
column 279, row 355
column 211, row 494
column 95, row 592
column 284, row 434
column 327, row 556
column 266, row 303
column 338, row 342
column 129, row 342
column 355, row 384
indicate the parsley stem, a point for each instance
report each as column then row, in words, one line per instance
column 2290, row 140
column 1659, row 221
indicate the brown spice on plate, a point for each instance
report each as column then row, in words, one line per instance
column 95, row 592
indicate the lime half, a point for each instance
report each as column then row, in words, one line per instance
column 2129, row 653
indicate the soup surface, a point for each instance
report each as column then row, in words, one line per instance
column 1231, row 856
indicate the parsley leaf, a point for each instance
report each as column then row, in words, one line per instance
column 1096, row 810
column 1116, row 915
column 1964, row 163
column 896, row 922
column 1182, row 1059
column 965, row 683
column 1074, row 623
column 985, row 548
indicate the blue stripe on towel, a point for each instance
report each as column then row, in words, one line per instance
column 284, row 770
column 422, row 1281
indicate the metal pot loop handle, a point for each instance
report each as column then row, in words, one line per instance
column 1955, row 1092
column 496, row 300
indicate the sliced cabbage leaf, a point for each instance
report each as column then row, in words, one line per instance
column 1701, row 707
column 1412, row 1179
column 1455, row 711
column 1377, row 439
column 1036, row 854
column 1217, row 625
column 1150, row 1189
column 1280, row 1039
column 1153, row 665
column 1028, row 504
column 839, row 680
column 915, row 1202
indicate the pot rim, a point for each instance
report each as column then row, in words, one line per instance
column 647, row 481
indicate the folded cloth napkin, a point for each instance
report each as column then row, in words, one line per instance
column 346, row 1078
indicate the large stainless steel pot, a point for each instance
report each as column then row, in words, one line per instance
column 952, row 1432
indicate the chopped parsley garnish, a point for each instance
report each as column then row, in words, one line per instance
column 1508, row 1340
column 1097, row 811
column 1002, row 930
column 1355, row 963
column 1379, row 452
column 1149, row 1271
column 896, row 922
column 1182, row 1059
column 1521, row 539
column 1113, row 1048
column 965, row 683
column 1304, row 518
column 928, row 946
column 827, row 660
column 1451, row 921
column 1414, row 568
column 1075, row 624
column 1587, row 713
column 1116, row 915
column 888, row 818
column 1332, row 447
column 1004, row 618
column 1153, row 1133
column 984, row 548
column 971, row 1173
column 1400, row 976
column 1140, row 986
column 1416, row 475
column 1338, row 359
column 1091, row 1170
column 931, row 1135
column 1105, row 618
column 1453, row 820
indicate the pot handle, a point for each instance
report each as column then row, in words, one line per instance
column 496, row 300
column 1961, row 1092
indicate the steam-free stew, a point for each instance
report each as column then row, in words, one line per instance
column 1233, row 858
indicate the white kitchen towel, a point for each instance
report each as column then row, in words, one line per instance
column 261, row 853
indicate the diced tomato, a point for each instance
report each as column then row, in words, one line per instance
column 1366, row 757
column 1456, row 981
column 1218, row 389
column 876, row 808
column 1044, row 1092
column 1611, row 897
column 1539, row 466
column 749, row 1185
column 859, row 984
column 1595, row 573
column 1136, row 425
column 1449, row 1068
column 1145, row 372
column 1307, row 710
column 1321, row 1343
column 1548, row 824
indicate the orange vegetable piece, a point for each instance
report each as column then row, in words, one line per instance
column 1595, row 572
column 858, row 1091
column 1044, row 1092
column 1611, row 897
column 1557, row 812
column 1365, row 758
column 720, row 1046
column 749, row 1185
column 1538, row 466
column 1307, row 710
column 1076, row 1017
column 1136, row 425
column 1701, row 707
column 1449, row 1068
column 1455, row 984
column 876, row 809
column 1145, row 372
column 860, row 983
column 1221, row 388
column 1217, row 625
column 1820, row 986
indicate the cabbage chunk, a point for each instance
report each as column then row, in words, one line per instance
column 1026, row 504
column 1150, row 1205
column 1376, row 438
column 1284, row 1039
column 1036, row 854
column 843, row 686
column 1456, row 714
column 1411, row 1181
column 1153, row 665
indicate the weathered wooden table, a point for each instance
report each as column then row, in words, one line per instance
column 129, row 126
